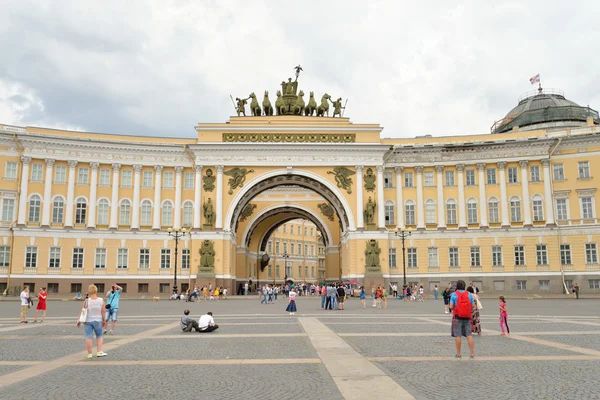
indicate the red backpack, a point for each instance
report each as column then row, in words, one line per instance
column 463, row 308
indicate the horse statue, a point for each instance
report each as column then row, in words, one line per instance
column 299, row 106
column 279, row 104
column 312, row 105
column 267, row 107
column 324, row 107
column 254, row 107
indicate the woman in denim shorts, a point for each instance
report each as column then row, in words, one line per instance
column 94, row 322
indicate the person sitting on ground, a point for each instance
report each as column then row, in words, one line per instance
column 187, row 323
column 207, row 323
column 174, row 296
column 78, row 296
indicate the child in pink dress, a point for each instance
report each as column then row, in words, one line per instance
column 503, row 316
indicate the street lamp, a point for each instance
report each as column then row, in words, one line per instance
column 285, row 264
column 176, row 234
column 403, row 235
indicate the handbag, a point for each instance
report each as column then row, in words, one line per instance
column 108, row 306
column 84, row 312
column 479, row 305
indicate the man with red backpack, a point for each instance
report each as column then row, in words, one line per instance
column 462, row 304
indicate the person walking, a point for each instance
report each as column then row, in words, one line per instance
column 461, row 305
column 503, row 317
column 446, row 294
column 291, row 308
column 421, row 293
column 436, row 292
column 323, row 296
column 24, row 304
column 475, row 318
column 94, row 322
column 373, row 296
column 112, row 307
column 378, row 296
column 363, row 297
column 41, row 306
column 395, row 290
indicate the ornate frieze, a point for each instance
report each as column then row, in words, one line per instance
column 289, row 137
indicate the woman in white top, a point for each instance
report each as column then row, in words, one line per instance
column 24, row 304
column 291, row 308
column 94, row 322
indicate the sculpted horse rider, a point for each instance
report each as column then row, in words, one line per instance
column 323, row 109
column 310, row 109
column 267, row 107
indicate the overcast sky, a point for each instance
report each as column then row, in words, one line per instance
column 160, row 67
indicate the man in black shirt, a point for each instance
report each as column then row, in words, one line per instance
column 341, row 294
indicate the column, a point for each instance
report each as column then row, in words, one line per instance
column 380, row 199
column 135, row 213
column 462, row 215
column 22, row 217
column 483, row 221
column 70, row 194
column 93, row 187
column 503, row 195
column 420, row 212
column 114, row 198
column 177, row 214
column 198, row 197
column 157, row 191
column 399, row 199
column 47, row 209
column 360, row 219
column 526, row 199
column 548, row 193
column 440, row 197
column 219, row 205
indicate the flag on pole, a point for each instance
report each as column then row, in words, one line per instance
column 533, row 80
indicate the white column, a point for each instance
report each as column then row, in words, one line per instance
column 219, row 205
column 47, row 209
column 526, row 199
column 135, row 213
column 198, row 197
column 440, row 197
column 420, row 209
column 548, row 193
column 360, row 218
column 22, row 217
column 70, row 194
column 503, row 195
column 380, row 199
column 114, row 199
column 177, row 222
column 462, row 215
column 483, row 221
column 399, row 199
column 157, row 190
column 93, row 188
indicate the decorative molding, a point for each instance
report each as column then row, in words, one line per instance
column 545, row 162
column 116, row 167
column 289, row 137
column 419, row 169
column 501, row 164
column 178, row 169
column 460, row 167
column 72, row 164
column 480, row 166
column 94, row 166
column 26, row 160
column 137, row 168
column 439, row 169
column 158, row 168
column 50, row 162
column 523, row 163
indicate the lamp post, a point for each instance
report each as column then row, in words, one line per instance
column 176, row 234
column 285, row 264
column 403, row 234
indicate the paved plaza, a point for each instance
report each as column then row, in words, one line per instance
column 402, row 352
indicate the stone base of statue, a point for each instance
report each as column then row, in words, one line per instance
column 207, row 227
column 371, row 226
column 373, row 276
column 206, row 272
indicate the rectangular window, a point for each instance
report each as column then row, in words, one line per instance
column 4, row 256
column 82, row 176
column 144, row 258
column 408, row 179
column 142, row 288
column 449, row 178
column 491, row 176
column 453, row 258
column 185, row 259
column 124, row 287
column 277, row 270
column 472, row 212
column 392, row 258
column 428, row 178
column 470, row 174
column 36, row 172
column 31, row 256
column 389, row 213
column 432, row 257
column 122, row 258
column 591, row 253
column 541, row 254
column 52, row 287
column 312, row 231
column 8, row 210
column 100, row 258
column 188, row 180
column 410, row 214
column 534, row 173
column 451, row 213
column 164, row 287
column 594, row 283
column 559, row 172
column 493, row 212
column 54, row 260
column 147, row 179
column 475, row 256
column 411, row 257
column 270, row 271
column 544, row 284
column 497, row 256
column 513, row 175
column 60, row 174
column 100, row 287
column 76, row 287
column 168, row 180
column 561, row 210
column 587, row 207
column 285, row 247
column 126, row 178
column 11, row 170
column 165, row 258
column 78, row 257
column 519, row 255
column 521, row 285
column 104, row 177
column 565, row 254
column 584, row 169
column 277, row 248
column 388, row 180
column 312, row 250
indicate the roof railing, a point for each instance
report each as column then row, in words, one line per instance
column 538, row 91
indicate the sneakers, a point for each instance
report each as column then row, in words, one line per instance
column 100, row 354
column 110, row 332
column 105, row 331
column 90, row 355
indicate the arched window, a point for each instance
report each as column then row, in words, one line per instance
column 389, row 213
column 58, row 210
column 188, row 213
column 125, row 212
column 451, row 212
column 538, row 208
column 493, row 211
column 167, row 214
column 430, row 212
column 103, row 212
column 515, row 209
column 80, row 210
column 35, row 202
column 472, row 211
column 146, row 213
column 409, row 208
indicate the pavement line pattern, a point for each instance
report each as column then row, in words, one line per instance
column 205, row 362
column 355, row 376
column 195, row 335
column 489, row 358
column 569, row 322
column 486, row 332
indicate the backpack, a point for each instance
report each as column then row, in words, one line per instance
column 463, row 307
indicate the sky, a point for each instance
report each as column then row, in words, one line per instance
column 157, row 68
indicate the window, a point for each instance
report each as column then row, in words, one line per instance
column 475, row 256
column 82, row 176
column 497, row 256
column 144, row 258
column 408, row 179
column 36, row 172
column 562, row 213
column 534, row 173
column 60, row 175
column 104, row 177
column 519, row 255
column 299, row 270
column 410, row 213
column 305, row 249
column 299, row 248
column 167, row 214
column 541, row 254
column 124, row 287
column 292, row 229
column 31, row 257
column 388, row 180
column 185, row 259
column 168, row 180
column 538, row 208
column 591, row 253
column 4, row 256
column 312, row 231
column 52, row 287
column 453, row 258
column 126, row 178
column 587, row 208
column 584, row 169
column 142, row 288
column 270, row 271
column 312, row 271
column 100, row 287
column 513, row 175
column 292, row 248
column 164, row 287
column 78, row 257
column 284, row 228
column 432, row 257
column 594, row 283
column 430, row 212
column 80, row 211
column 8, row 209
column 147, row 179
column 470, row 173
column 521, row 285
column 565, row 254
column 277, row 271
column 568, row 283
column 312, row 250
column 472, row 211
column 76, row 287
column 449, row 178
column 277, row 247
column 392, row 258
column 411, row 257
column 285, row 247
column 122, row 258
column 188, row 180
column 103, row 212
column 100, row 258
column 493, row 212
column 125, row 212
column 188, row 214
column 54, row 260
column 491, row 176
column 451, row 212
column 11, row 170
column 146, row 213
column 306, row 272
column 165, row 258
column 35, row 202
column 428, row 178
column 58, row 210
column 515, row 209
column 389, row 212
column 544, row 284
column 559, row 172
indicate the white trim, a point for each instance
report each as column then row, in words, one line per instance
column 97, row 277
column 477, row 274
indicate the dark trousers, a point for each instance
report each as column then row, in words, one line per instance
column 329, row 303
column 191, row 325
column 210, row 329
